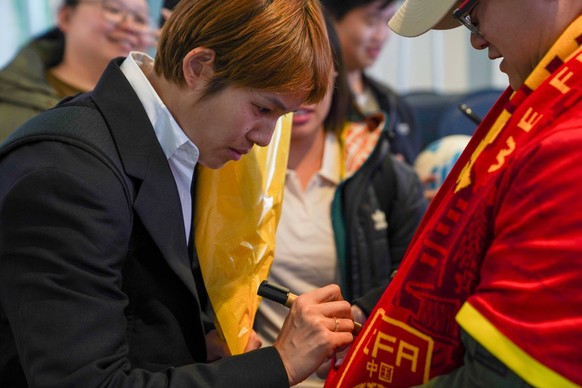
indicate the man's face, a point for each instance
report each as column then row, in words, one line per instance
column 518, row 31
column 363, row 32
column 228, row 124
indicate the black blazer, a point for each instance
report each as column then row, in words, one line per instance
column 94, row 292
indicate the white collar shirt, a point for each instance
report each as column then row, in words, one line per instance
column 181, row 153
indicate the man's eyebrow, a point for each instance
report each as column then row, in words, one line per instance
column 275, row 101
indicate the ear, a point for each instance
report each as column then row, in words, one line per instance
column 64, row 16
column 198, row 65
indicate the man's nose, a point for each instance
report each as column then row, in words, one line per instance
column 262, row 135
column 478, row 42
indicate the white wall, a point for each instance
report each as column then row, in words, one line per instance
column 438, row 60
column 20, row 19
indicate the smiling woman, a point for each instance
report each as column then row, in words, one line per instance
column 362, row 27
column 70, row 58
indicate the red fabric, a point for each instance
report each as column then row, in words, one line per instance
column 499, row 235
column 531, row 277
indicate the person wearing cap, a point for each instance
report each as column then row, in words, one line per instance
column 489, row 293
column 97, row 248
column 363, row 31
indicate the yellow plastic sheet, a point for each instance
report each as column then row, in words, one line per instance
column 237, row 210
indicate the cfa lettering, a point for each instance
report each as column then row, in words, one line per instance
column 403, row 350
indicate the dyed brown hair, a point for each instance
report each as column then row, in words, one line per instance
column 272, row 45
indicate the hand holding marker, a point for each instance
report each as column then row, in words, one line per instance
column 285, row 297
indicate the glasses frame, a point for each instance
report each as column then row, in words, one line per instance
column 125, row 13
column 463, row 15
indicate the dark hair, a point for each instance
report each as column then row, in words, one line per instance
column 342, row 97
column 339, row 8
column 170, row 4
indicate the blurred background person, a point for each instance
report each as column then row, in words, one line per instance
column 362, row 27
column 70, row 58
column 350, row 207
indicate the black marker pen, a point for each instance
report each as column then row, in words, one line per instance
column 285, row 297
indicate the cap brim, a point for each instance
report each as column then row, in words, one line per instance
column 415, row 17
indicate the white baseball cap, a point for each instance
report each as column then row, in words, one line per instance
column 415, row 17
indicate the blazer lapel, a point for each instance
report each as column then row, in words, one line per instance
column 157, row 203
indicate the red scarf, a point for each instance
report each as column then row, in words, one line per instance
column 412, row 334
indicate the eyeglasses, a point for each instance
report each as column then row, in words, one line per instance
column 115, row 13
column 463, row 15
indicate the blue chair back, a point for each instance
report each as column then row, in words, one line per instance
column 453, row 121
column 427, row 106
